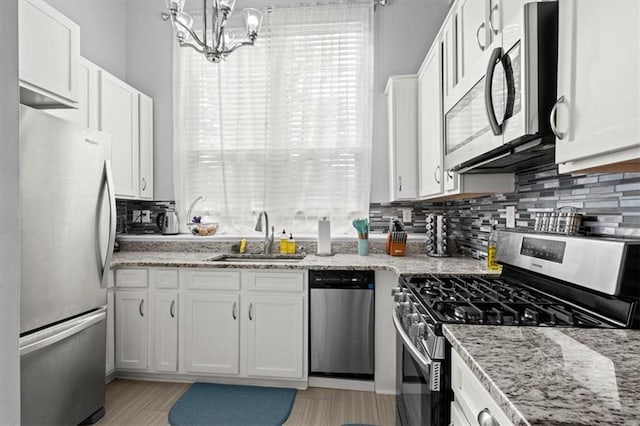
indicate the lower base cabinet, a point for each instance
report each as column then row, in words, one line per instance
column 472, row 403
column 212, row 322
column 275, row 336
column 211, row 333
column 132, row 330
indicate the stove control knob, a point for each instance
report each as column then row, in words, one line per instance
column 413, row 318
column 400, row 296
column 396, row 290
column 404, row 308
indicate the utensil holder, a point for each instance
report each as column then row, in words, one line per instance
column 363, row 247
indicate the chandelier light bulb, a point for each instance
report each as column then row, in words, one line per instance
column 227, row 5
column 253, row 21
column 182, row 34
column 175, row 5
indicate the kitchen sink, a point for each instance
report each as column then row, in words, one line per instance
column 256, row 258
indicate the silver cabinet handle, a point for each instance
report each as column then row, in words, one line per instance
column 140, row 307
column 400, row 183
column 144, row 184
column 173, row 304
column 494, row 8
column 449, row 174
column 250, row 312
column 485, row 418
column 436, row 172
column 480, row 45
column 233, row 311
column 553, row 119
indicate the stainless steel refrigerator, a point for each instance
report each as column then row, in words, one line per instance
column 67, row 232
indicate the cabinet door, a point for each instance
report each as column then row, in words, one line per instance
column 119, row 117
column 111, row 356
column 48, row 56
column 430, row 101
column 598, row 112
column 451, row 181
column 210, row 333
column 502, row 13
column 132, row 325
column 164, row 331
column 473, row 34
column 86, row 115
column 146, row 146
column 449, row 61
column 403, row 136
column 275, row 336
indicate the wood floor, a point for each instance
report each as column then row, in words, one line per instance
column 133, row 402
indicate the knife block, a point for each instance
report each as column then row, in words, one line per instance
column 397, row 243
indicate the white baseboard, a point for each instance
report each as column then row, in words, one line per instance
column 348, row 384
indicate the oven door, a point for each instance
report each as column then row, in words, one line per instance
column 422, row 398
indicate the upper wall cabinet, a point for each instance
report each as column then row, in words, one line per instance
column 86, row 114
column 402, row 93
column 597, row 115
column 49, row 52
column 127, row 115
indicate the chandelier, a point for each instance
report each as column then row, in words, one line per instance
column 215, row 43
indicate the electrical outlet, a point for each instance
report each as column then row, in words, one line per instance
column 406, row 215
column 146, row 216
column 137, row 216
column 511, row 216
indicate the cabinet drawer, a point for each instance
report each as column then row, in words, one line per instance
column 470, row 395
column 203, row 279
column 163, row 278
column 275, row 281
column 132, row 278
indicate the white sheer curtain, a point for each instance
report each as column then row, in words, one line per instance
column 283, row 126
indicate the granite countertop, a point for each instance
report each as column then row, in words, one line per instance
column 555, row 376
column 414, row 264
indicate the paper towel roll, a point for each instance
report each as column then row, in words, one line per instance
column 324, row 236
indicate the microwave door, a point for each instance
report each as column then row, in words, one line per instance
column 468, row 132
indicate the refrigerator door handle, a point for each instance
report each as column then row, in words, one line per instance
column 112, row 223
column 51, row 335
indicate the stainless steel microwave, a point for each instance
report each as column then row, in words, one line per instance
column 501, row 122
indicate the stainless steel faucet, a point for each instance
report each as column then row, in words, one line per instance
column 267, row 241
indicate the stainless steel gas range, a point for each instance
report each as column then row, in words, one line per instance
column 547, row 280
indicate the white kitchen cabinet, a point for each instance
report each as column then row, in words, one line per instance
column 210, row 332
column 448, row 38
column 132, row 330
column 145, row 117
column 402, row 109
column 86, row 115
column 430, row 123
column 119, row 117
column 49, row 52
column 470, row 397
column 473, row 34
column 275, row 336
column 597, row 115
column 164, row 331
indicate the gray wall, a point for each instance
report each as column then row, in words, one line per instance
column 9, row 218
column 404, row 31
column 103, row 31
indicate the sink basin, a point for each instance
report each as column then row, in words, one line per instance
column 256, row 258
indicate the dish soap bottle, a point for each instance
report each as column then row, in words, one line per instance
column 492, row 246
column 284, row 243
column 292, row 245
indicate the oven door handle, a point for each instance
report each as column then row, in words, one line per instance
column 417, row 356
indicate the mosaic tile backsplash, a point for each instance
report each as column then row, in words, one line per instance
column 609, row 203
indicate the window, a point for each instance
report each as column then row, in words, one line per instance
column 283, row 126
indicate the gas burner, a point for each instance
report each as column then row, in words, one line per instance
column 467, row 313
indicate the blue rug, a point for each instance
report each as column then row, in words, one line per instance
column 232, row 405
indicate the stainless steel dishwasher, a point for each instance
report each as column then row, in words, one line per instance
column 341, row 323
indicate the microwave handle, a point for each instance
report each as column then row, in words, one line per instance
column 488, row 86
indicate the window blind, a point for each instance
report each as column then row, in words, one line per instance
column 283, row 126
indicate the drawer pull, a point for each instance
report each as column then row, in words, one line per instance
column 485, row 418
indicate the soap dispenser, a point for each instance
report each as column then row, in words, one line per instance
column 284, row 243
column 291, row 245
column 324, row 237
